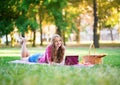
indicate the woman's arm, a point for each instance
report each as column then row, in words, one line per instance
column 48, row 55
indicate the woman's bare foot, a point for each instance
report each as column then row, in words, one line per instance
column 22, row 40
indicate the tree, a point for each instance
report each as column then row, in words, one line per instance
column 8, row 14
column 72, row 18
column 108, row 17
column 6, row 27
column 31, row 8
column 95, row 29
column 41, row 14
column 31, row 23
column 55, row 9
column 27, row 18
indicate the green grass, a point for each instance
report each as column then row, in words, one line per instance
column 107, row 73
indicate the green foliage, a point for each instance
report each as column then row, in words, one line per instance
column 9, row 9
column 55, row 4
column 32, row 23
column 27, row 17
column 71, row 15
column 109, row 16
column 23, row 14
column 21, row 24
column 113, row 19
column 6, row 26
column 26, row 3
column 8, row 13
column 55, row 7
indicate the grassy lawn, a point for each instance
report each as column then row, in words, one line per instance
column 107, row 73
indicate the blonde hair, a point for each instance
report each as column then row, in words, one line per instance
column 57, row 56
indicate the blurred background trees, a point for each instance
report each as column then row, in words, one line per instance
column 39, row 19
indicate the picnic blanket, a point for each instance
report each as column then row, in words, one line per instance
column 29, row 63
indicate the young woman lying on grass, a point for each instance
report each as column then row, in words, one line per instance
column 54, row 52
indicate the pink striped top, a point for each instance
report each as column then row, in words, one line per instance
column 46, row 58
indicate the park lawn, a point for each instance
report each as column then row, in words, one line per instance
column 107, row 73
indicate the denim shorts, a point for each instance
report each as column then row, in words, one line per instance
column 35, row 57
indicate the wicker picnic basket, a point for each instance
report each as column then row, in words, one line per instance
column 93, row 58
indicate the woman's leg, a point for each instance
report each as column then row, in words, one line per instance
column 24, row 50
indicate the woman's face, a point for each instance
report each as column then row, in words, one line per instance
column 58, row 42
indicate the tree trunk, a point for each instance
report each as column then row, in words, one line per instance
column 78, row 29
column 63, row 36
column 0, row 40
column 111, row 34
column 59, row 31
column 41, row 41
column 7, row 43
column 23, row 34
column 12, row 40
column 95, row 33
column 34, row 38
column 78, row 36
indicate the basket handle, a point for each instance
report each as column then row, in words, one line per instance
column 91, row 46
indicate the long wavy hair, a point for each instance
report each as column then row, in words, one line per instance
column 57, row 55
